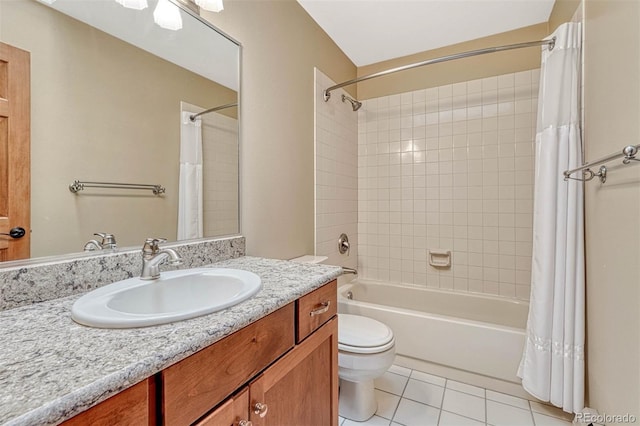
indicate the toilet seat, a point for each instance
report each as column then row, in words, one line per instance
column 362, row 335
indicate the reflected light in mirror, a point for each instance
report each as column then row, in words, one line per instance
column 211, row 5
column 167, row 15
column 133, row 4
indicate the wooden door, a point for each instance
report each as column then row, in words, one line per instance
column 15, row 162
column 300, row 389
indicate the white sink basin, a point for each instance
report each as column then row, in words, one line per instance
column 175, row 296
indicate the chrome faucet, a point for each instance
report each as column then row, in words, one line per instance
column 152, row 257
column 346, row 270
column 108, row 242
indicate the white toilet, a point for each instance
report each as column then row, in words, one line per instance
column 366, row 350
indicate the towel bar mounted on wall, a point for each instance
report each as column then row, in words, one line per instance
column 629, row 153
column 78, row 186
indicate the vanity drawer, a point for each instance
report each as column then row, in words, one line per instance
column 315, row 309
column 196, row 384
column 134, row 406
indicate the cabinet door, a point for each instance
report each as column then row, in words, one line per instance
column 195, row 385
column 234, row 412
column 300, row 389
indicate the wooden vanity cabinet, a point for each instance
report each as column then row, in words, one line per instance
column 233, row 412
column 134, row 406
column 300, row 389
column 196, row 384
column 281, row 370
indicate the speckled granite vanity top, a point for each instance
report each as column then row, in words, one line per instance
column 52, row 368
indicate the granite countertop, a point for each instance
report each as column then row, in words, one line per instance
column 52, row 368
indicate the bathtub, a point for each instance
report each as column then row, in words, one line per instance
column 478, row 334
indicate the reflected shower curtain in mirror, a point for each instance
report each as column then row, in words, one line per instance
column 552, row 366
column 190, row 212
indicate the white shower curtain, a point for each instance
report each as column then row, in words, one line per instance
column 552, row 367
column 190, row 213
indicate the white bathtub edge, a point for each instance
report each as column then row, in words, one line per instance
column 445, row 340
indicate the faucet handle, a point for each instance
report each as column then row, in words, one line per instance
column 343, row 244
column 108, row 240
column 151, row 245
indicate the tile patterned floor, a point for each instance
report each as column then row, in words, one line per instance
column 412, row 398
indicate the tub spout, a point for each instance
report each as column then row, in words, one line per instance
column 346, row 270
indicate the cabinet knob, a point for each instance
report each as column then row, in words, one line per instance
column 260, row 409
column 245, row 423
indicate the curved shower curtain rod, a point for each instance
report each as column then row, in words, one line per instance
column 193, row 117
column 551, row 43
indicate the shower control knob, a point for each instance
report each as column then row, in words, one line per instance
column 17, row 232
column 343, row 244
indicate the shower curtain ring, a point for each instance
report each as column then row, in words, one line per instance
column 587, row 175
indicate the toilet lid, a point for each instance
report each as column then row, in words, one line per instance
column 360, row 334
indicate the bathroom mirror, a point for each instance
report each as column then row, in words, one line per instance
column 108, row 90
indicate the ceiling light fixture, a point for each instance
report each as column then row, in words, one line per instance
column 134, row 4
column 211, row 5
column 47, row 1
column 167, row 15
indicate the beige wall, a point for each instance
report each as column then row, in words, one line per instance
column 455, row 71
column 281, row 45
column 563, row 11
column 102, row 110
column 612, row 108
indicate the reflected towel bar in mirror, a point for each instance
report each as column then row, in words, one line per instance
column 77, row 186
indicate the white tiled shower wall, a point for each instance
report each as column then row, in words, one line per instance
column 220, row 174
column 336, row 171
column 449, row 168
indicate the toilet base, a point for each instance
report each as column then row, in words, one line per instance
column 357, row 400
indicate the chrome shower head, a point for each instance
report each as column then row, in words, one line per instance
column 354, row 104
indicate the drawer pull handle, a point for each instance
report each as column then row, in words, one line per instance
column 245, row 423
column 260, row 409
column 321, row 309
